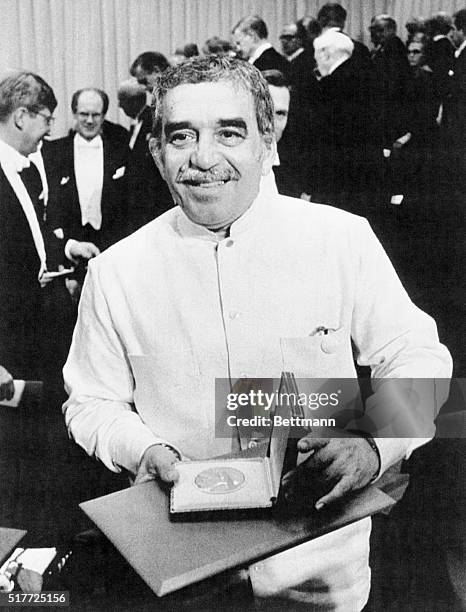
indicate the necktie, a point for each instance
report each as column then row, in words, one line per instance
column 33, row 183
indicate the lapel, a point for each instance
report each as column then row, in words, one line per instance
column 108, row 188
column 70, row 187
column 16, row 240
column 141, row 144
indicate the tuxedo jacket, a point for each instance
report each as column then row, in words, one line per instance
column 394, row 87
column 347, row 133
column 64, row 208
column 22, row 315
column 115, row 133
column 271, row 59
column 440, row 56
column 302, row 78
column 148, row 193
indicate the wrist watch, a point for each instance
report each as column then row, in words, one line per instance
column 372, row 443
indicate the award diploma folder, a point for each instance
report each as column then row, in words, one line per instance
column 169, row 554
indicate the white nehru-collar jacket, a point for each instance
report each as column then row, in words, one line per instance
column 172, row 307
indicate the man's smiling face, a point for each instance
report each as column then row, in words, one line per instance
column 211, row 152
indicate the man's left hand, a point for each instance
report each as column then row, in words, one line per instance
column 337, row 466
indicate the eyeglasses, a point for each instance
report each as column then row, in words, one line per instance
column 93, row 116
column 47, row 118
column 287, row 36
column 414, row 51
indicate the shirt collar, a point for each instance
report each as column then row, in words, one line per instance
column 336, row 65
column 11, row 158
column 95, row 143
column 259, row 51
column 294, row 55
column 439, row 37
column 460, row 48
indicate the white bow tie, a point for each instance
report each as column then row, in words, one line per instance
column 95, row 143
column 21, row 163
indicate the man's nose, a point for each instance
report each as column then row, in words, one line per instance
column 205, row 154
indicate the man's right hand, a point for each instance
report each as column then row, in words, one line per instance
column 7, row 387
column 82, row 250
column 157, row 461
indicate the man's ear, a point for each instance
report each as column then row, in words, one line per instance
column 270, row 154
column 156, row 152
column 18, row 117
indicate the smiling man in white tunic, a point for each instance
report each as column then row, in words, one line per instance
column 232, row 283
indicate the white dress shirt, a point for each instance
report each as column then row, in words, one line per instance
column 294, row 55
column 13, row 163
column 460, row 49
column 89, row 172
column 135, row 133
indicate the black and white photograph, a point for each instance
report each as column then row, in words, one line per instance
column 232, row 305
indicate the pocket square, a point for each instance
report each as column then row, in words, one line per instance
column 59, row 233
column 64, row 180
column 119, row 172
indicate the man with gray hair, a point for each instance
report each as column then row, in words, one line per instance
column 332, row 49
column 236, row 283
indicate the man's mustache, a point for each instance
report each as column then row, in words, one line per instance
column 191, row 175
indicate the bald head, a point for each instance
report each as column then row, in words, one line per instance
column 89, row 107
column 131, row 97
column 331, row 49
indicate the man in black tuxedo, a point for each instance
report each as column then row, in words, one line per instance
column 291, row 42
column 29, row 249
column 148, row 194
column 440, row 51
column 88, row 193
column 300, row 56
column 250, row 37
column 393, row 78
